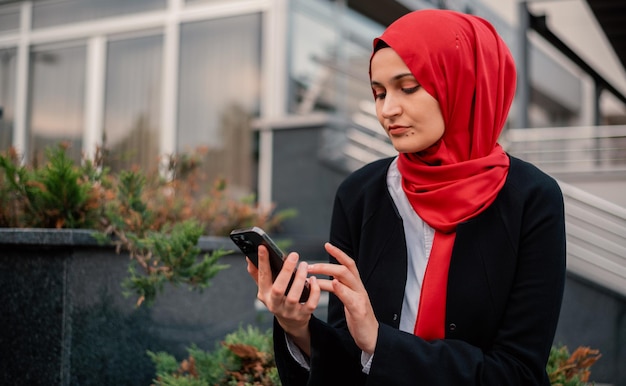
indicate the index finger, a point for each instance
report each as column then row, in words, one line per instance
column 284, row 277
column 342, row 257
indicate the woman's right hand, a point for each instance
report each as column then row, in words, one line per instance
column 292, row 315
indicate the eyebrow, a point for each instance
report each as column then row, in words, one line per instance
column 395, row 78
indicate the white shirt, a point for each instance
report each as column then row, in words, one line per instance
column 419, row 241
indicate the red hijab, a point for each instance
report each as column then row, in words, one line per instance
column 461, row 61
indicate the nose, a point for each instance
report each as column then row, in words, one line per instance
column 390, row 107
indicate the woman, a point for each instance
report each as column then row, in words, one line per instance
column 447, row 261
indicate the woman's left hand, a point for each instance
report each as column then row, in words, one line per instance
column 348, row 287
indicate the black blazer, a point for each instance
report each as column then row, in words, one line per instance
column 504, row 294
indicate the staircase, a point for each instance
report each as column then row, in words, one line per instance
column 595, row 227
column 596, row 238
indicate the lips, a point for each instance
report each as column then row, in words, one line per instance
column 397, row 129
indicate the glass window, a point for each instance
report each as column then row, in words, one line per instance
column 7, row 96
column 132, row 102
column 9, row 18
column 329, row 60
column 219, row 93
column 48, row 13
column 56, row 99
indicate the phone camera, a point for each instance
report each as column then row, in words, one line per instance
column 246, row 245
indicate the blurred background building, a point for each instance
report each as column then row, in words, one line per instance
column 277, row 92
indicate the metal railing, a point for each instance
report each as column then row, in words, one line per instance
column 570, row 150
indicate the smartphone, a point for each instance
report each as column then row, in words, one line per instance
column 248, row 241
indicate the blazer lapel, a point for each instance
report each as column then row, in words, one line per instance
column 382, row 261
column 481, row 270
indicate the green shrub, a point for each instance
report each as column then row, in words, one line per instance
column 244, row 358
column 156, row 216
column 565, row 369
column 56, row 195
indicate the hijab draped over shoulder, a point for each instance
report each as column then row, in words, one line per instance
column 464, row 64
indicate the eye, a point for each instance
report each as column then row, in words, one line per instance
column 379, row 93
column 410, row 90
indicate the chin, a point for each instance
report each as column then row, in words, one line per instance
column 407, row 149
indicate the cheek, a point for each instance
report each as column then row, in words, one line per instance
column 438, row 127
column 436, row 118
column 441, row 124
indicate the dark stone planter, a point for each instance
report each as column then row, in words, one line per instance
column 65, row 320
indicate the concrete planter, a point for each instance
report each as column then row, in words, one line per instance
column 65, row 320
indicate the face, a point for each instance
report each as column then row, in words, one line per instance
column 410, row 116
